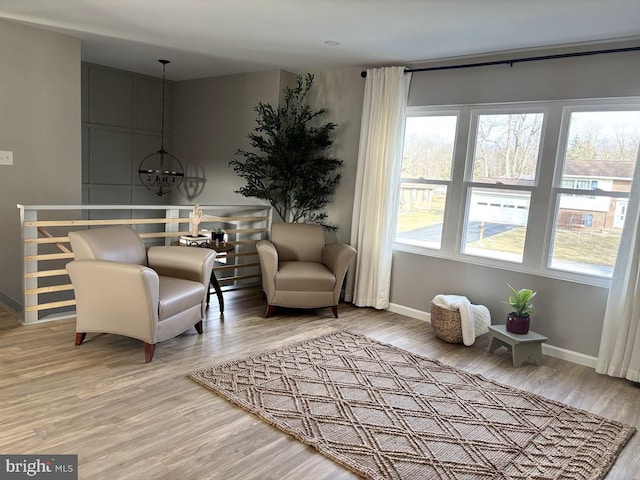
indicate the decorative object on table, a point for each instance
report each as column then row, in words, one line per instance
column 455, row 320
column 196, row 217
column 160, row 171
column 519, row 319
column 197, row 241
column 196, row 238
column 385, row 413
column 218, row 236
column 290, row 167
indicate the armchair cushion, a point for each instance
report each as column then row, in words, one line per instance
column 304, row 276
column 303, row 243
column 177, row 295
column 117, row 244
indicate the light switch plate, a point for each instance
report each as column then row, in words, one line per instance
column 6, row 158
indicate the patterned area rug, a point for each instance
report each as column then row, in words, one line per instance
column 386, row 413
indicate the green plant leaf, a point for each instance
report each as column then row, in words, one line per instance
column 520, row 301
column 288, row 164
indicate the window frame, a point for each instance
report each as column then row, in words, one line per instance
column 469, row 184
column 421, row 112
column 544, row 196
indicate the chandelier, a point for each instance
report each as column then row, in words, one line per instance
column 160, row 171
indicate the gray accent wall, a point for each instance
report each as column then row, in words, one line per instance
column 569, row 313
column 40, row 123
column 121, row 124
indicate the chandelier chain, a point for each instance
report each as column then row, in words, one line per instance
column 164, row 66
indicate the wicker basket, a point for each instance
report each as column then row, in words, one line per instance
column 446, row 324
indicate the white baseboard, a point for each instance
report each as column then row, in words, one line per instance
column 50, row 318
column 569, row 355
column 409, row 312
column 550, row 350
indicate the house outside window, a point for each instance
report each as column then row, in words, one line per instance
column 598, row 154
column 541, row 187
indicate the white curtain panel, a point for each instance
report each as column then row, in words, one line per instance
column 379, row 162
column 619, row 354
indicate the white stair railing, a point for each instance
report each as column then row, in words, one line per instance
column 47, row 291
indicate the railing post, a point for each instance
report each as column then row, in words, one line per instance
column 30, row 300
column 171, row 227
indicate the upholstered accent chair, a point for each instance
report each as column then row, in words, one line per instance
column 299, row 270
column 150, row 294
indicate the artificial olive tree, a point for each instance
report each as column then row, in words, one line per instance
column 289, row 165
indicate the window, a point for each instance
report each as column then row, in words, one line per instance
column 504, row 165
column 540, row 187
column 599, row 156
column 426, row 168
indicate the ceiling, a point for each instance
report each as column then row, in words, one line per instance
column 204, row 38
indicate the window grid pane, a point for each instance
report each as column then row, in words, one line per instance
column 427, row 155
column 421, row 214
column 507, row 147
column 496, row 223
column 587, row 234
column 601, row 149
column 600, row 155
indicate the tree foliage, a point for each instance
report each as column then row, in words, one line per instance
column 507, row 146
column 289, row 165
column 590, row 143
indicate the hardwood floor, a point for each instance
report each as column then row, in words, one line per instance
column 129, row 420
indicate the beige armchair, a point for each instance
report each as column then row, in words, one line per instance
column 123, row 288
column 299, row 270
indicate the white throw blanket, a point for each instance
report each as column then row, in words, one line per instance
column 475, row 319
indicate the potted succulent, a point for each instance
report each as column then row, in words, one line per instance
column 518, row 320
column 217, row 234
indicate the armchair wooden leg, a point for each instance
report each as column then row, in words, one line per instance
column 270, row 310
column 334, row 309
column 199, row 327
column 80, row 336
column 149, row 349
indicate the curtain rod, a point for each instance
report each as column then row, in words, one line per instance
column 510, row 62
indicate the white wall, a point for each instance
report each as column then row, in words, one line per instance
column 40, row 123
